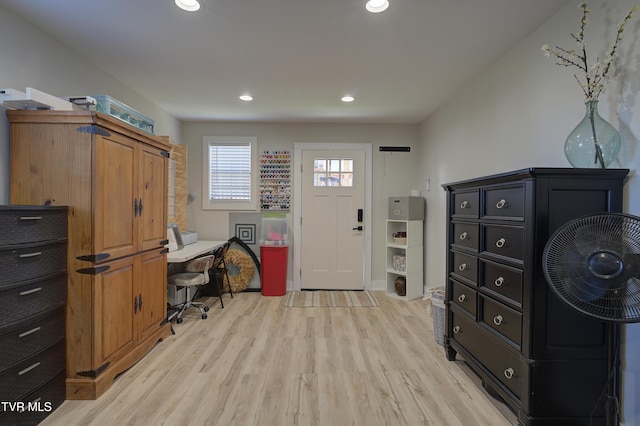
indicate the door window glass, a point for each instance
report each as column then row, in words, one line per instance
column 333, row 172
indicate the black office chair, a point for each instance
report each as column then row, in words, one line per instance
column 220, row 270
column 196, row 275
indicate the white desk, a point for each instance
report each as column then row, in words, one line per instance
column 194, row 250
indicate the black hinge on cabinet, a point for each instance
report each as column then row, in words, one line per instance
column 94, row 130
column 94, row 373
column 164, row 242
column 94, row 271
column 165, row 154
column 94, row 257
column 164, row 250
column 135, row 207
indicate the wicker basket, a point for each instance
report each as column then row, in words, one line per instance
column 438, row 314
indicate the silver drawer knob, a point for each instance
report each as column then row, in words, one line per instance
column 463, row 236
column 461, row 298
column 462, row 267
column 464, row 204
column 508, row 373
column 500, row 243
column 456, row 329
column 501, row 204
column 499, row 281
column 497, row 320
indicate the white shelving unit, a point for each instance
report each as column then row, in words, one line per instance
column 412, row 251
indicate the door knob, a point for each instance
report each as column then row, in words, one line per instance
column 358, row 228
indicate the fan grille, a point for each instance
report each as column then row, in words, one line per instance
column 593, row 264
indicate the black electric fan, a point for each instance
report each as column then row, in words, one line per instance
column 593, row 264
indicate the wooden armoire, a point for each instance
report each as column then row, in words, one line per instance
column 113, row 177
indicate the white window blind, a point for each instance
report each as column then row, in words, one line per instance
column 228, row 165
column 230, row 172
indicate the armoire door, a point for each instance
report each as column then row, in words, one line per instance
column 152, row 198
column 113, row 303
column 116, row 172
column 151, row 310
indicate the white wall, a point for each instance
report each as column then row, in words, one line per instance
column 30, row 58
column 517, row 114
column 393, row 173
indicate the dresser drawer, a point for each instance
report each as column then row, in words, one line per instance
column 25, row 339
column 32, row 372
column 500, row 362
column 31, row 298
column 464, row 296
column 504, row 241
column 466, row 235
column 504, row 203
column 32, row 261
column 465, row 266
column 466, row 204
column 503, row 280
column 21, row 225
column 46, row 399
column 502, row 319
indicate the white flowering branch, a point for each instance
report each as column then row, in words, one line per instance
column 597, row 74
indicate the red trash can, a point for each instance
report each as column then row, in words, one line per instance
column 273, row 269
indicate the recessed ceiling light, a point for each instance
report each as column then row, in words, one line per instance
column 348, row 99
column 377, row 6
column 188, row 5
column 246, row 98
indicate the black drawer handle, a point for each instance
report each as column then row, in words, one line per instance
column 502, row 204
column 30, row 217
column 461, row 298
column 464, row 205
column 456, row 329
column 499, row 281
column 463, row 236
column 26, row 370
column 497, row 320
column 34, row 254
column 508, row 373
column 462, row 267
column 26, row 333
column 28, row 292
column 500, row 243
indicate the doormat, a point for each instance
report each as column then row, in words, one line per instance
column 330, row 299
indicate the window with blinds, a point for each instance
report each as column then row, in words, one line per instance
column 228, row 173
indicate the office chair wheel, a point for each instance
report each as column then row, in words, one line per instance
column 204, row 316
column 206, row 309
column 179, row 320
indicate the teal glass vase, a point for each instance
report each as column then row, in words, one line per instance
column 594, row 143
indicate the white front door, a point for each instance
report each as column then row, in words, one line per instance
column 332, row 220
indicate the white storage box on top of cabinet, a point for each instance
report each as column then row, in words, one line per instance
column 113, row 177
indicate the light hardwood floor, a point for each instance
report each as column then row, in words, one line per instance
column 257, row 362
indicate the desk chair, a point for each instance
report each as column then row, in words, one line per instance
column 196, row 275
column 220, row 270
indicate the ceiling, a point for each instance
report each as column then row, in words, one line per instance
column 297, row 58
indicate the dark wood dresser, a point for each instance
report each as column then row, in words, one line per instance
column 545, row 360
column 33, row 296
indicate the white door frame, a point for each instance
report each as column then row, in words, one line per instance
column 297, row 202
